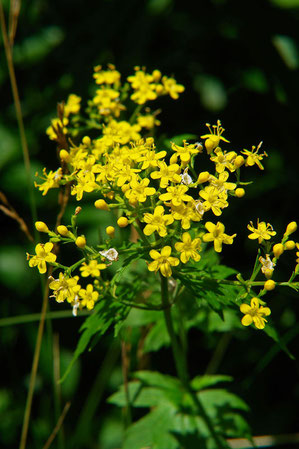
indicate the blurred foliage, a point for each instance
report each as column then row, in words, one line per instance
column 239, row 63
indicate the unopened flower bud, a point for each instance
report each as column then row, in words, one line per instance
column 101, row 204
column 278, row 249
column 64, row 156
column 86, row 140
column 110, row 230
column 268, row 273
column 290, row 244
column 239, row 192
column 122, row 222
column 211, row 143
column 291, row 227
column 40, row 226
column 81, row 241
column 203, row 177
column 239, row 161
column 62, row 230
column 78, row 210
column 269, row 285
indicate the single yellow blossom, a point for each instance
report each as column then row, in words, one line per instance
column 253, row 157
column 171, row 87
column 65, row 288
column 166, row 174
column 93, row 268
column 88, row 297
column 188, row 248
column 216, row 234
column 254, row 313
column 43, row 255
column 157, row 222
column 214, row 137
column 224, row 160
column 72, row 105
column 163, row 261
column 262, row 232
column 214, row 199
column 184, row 153
column 139, row 190
column 110, row 76
column 51, row 180
column 176, row 195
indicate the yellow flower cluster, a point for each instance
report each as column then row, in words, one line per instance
column 155, row 189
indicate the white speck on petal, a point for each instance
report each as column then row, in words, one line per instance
column 186, row 179
column 76, row 306
column 110, row 254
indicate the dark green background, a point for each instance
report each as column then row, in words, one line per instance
column 239, row 63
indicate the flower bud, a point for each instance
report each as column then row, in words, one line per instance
column 278, row 249
column 269, row 285
column 81, row 241
column 125, row 187
column 292, row 227
column 110, row 230
column 40, row 226
column 211, row 143
column 86, row 140
column 203, row 177
column 290, row 244
column 64, row 156
column 122, row 222
column 268, row 273
column 101, row 204
column 239, row 192
column 110, row 195
column 62, row 230
column 239, row 161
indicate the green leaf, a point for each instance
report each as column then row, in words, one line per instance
column 201, row 382
column 157, row 337
column 139, row 396
column 220, row 399
column 272, row 333
column 106, row 313
column 153, row 430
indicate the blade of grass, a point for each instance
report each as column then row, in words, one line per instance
column 58, row 426
column 30, row 318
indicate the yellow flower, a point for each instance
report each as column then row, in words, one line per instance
column 188, row 248
column 172, row 88
column 220, row 182
column 92, row 268
column 51, row 180
column 110, row 76
column 214, row 137
column 262, row 232
column 88, row 296
column 176, row 195
column 163, row 261
column 254, row 313
column 157, row 222
column 72, row 105
column 143, row 85
column 65, row 288
column 224, row 160
column 184, row 153
column 192, row 211
column 85, row 183
column 216, row 234
column 253, row 157
column 214, row 199
column 43, row 255
column 148, row 121
column 150, row 158
column 166, row 174
column 138, row 191
column 55, row 123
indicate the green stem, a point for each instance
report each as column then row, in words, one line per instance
column 181, row 365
